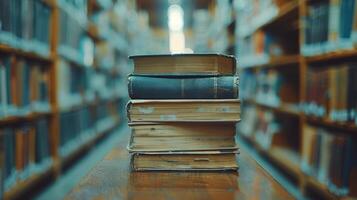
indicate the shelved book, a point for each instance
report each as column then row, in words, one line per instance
column 26, row 151
column 24, row 86
column 331, row 92
column 25, row 25
column 329, row 156
column 183, row 112
column 2, row 164
column 329, row 26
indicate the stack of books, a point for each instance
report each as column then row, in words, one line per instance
column 183, row 112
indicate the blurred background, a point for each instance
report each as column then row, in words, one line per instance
column 64, row 67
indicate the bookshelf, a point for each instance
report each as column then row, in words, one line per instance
column 296, row 63
column 71, row 125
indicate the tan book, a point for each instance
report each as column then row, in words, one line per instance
column 185, row 161
column 184, row 110
column 182, row 137
column 20, row 149
column 184, row 64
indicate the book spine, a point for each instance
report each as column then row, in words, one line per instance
column 3, row 89
column 143, row 87
column 2, row 164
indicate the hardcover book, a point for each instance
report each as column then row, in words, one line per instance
column 185, row 161
column 181, row 137
column 184, row 110
column 184, row 64
column 183, row 87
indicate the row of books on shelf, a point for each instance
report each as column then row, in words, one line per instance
column 25, row 151
column 79, row 126
column 264, row 86
column 74, row 44
column 327, row 155
column 256, row 14
column 259, row 48
column 78, row 85
column 110, row 27
column 24, row 86
column 260, row 125
column 25, row 25
column 331, row 92
column 76, row 8
column 329, row 26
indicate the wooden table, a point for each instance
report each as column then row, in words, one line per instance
column 112, row 179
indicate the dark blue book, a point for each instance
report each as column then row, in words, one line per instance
column 183, row 87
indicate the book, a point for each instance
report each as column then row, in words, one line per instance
column 328, row 156
column 3, row 90
column 329, row 26
column 42, row 141
column 184, row 110
column 330, row 92
column 184, row 64
column 153, row 137
column 25, row 25
column 183, row 87
column 2, row 164
column 9, row 146
column 185, row 161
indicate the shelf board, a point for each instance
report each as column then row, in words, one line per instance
column 321, row 188
column 289, row 160
column 284, row 108
column 277, row 62
column 21, row 186
column 76, row 106
column 285, row 12
column 17, row 119
column 343, row 54
column 285, row 158
column 350, row 127
column 27, row 54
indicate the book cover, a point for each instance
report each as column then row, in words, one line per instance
column 184, row 64
column 183, row 87
column 185, row 161
column 155, row 137
column 225, row 110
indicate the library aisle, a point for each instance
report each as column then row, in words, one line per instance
column 218, row 99
column 111, row 179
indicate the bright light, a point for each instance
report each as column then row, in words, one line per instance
column 175, row 15
column 176, row 23
column 177, row 42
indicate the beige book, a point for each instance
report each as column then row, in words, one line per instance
column 182, row 136
column 184, row 64
column 227, row 110
column 185, row 161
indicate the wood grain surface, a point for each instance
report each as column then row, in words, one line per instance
column 112, row 179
